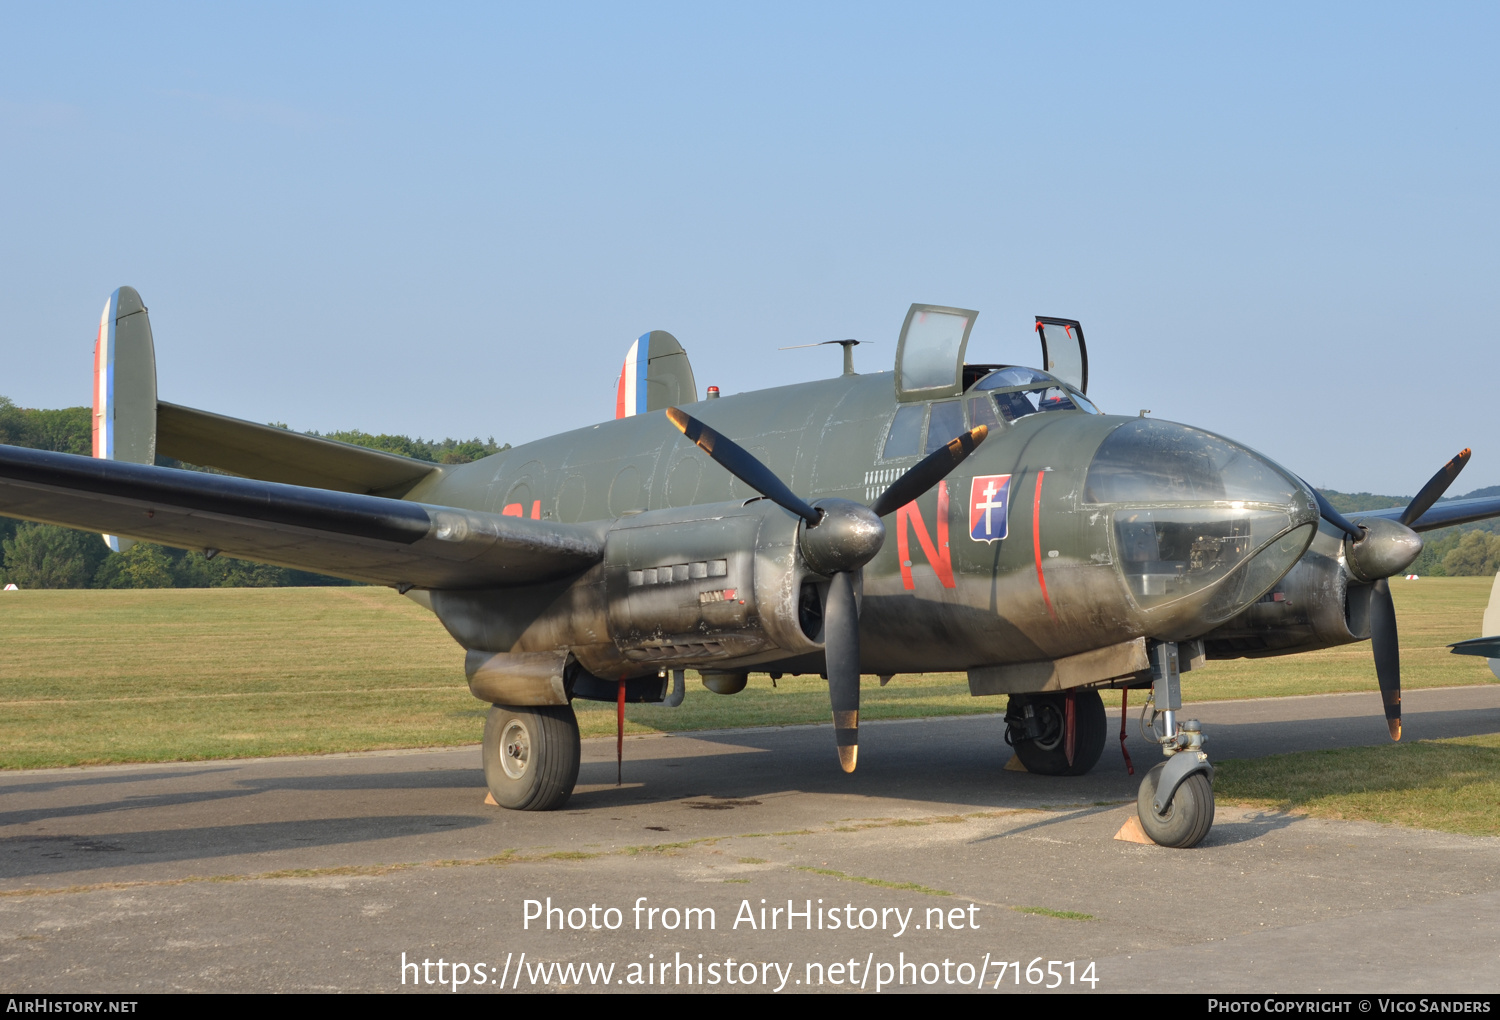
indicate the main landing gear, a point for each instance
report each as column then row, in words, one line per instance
column 531, row 756
column 1176, row 798
column 1056, row 734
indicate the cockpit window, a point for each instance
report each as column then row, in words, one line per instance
column 1007, row 377
column 982, row 412
column 1017, row 404
column 947, row 423
column 906, row 432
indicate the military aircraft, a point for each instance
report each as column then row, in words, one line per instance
column 1045, row 548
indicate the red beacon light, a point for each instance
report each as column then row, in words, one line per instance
column 713, row 393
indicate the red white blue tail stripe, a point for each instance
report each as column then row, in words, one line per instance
column 104, row 396
column 630, row 394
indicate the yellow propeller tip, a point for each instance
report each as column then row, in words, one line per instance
column 1395, row 727
column 848, row 757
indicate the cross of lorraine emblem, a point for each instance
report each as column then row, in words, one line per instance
column 989, row 507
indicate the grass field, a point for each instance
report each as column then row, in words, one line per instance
column 176, row 674
column 1452, row 785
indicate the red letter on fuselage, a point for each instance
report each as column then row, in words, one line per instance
column 940, row 557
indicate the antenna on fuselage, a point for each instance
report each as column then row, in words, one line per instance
column 847, row 345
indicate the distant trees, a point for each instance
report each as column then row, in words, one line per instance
column 46, row 556
column 67, row 430
column 449, row 451
column 1476, row 555
column 1436, row 545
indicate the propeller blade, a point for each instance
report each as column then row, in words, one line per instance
column 1332, row 516
column 1434, row 489
column 841, row 649
column 1387, row 652
column 735, row 459
column 928, row 472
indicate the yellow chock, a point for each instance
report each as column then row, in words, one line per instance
column 1014, row 765
column 1131, row 831
column 489, row 799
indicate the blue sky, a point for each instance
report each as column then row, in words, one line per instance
column 1275, row 222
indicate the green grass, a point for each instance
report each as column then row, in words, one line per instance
column 1452, row 785
column 103, row 676
column 1430, row 614
column 878, row 882
column 1066, row 915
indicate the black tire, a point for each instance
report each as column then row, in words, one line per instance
column 1047, row 755
column 1187, row 819
column 531, row 756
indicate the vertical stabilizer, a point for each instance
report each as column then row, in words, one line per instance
column 124, row 422
column 1492, row 620
column 656, row 375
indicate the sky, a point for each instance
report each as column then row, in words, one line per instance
column 1276, row 222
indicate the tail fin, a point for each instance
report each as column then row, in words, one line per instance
column 1492, row 620
column 124, row 422
column 656, row 375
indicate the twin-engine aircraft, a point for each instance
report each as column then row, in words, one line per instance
column 1045, row 548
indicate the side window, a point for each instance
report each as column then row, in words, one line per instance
column 905, row 436
column 982, row 412
column 1015, row 405
column 947, row 423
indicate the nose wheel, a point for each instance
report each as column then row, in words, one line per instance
column 1175, row 802
column 1188, row 815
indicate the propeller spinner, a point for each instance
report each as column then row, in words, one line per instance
column 840, row 536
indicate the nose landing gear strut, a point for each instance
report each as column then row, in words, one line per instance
column 1176, row 798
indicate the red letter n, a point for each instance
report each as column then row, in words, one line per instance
column 940, row 558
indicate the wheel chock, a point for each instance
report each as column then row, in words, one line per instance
column 489, row 800
column 1131, row 832
column 1014, row 765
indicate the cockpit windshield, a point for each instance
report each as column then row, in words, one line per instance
column 1018, row 392
column 1007, row 377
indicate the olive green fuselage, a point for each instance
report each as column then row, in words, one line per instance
column 933, row 598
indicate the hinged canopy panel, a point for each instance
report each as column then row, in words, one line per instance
column 930, row 353
column 1063, row 352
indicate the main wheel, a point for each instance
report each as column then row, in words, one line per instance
column 1186, row 820
column 1047, row 753
column 531, row 756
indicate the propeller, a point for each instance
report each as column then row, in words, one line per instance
column 1374, row 551
column 838, row 538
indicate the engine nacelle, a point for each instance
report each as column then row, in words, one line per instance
column 711, row 584
column 1316, row 605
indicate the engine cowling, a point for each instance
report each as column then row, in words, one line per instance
column 708, row 585
column 1318, row 604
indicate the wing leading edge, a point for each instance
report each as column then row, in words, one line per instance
column 1444, row 514
column 361, row 537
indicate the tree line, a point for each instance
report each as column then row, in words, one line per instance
column 1469, row 550
column 46, row 556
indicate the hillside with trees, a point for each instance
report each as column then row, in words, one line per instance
column 46, row 556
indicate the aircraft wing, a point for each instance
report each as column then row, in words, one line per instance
column 280, row 455
column 1444, row 514
column 361, row 537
